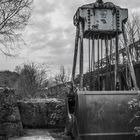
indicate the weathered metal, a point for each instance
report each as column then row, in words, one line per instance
column 89, row 54
column 81, row 55
column 105, row 115
column 99, row 21
column 116, row 60
column 101, row 115
column 101, row 18
column 75, row 53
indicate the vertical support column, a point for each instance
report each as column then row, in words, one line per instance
column 137, row 54
column 75, row 53
column 81, row 66
column 101, row 64
column 126, row 75
column 107, row 63
column 92, row 78
column 89, row 54
column 98, row 63
column 101, row 54
column 93, row 54
column 110, row 64
column 130, row 64
column 116, row 62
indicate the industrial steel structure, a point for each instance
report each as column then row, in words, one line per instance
column 102, row 112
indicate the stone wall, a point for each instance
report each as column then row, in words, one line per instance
column 43, row 113
column 31, row 113
column 10, row 122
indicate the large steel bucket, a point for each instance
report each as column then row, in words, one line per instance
column 105, row 115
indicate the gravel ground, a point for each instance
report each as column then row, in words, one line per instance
column 41, row 134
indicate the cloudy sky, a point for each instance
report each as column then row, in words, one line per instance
column 49, row 37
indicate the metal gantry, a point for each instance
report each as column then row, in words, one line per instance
column 99, row 111
column 101, row 24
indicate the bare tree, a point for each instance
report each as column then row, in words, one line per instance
column 32, row 77
column 14, row 16
column 138, row 25
column 62, row 77
column 132, row 29
column 133, row 35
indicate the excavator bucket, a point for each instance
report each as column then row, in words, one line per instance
column 102, row 114
column 105, row 115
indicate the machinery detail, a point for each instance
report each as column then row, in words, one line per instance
column 101, row 111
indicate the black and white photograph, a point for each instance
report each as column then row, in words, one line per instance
column 69, row 70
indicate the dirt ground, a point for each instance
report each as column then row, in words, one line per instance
column 41, row 134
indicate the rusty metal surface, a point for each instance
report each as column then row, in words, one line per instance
column 105, row 113
column 99, row 19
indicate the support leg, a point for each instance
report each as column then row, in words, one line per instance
column 116, row 63
column 130, row 64
column 81, row 57
column 75, row 54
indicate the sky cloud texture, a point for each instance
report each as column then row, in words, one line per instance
column 49, row 37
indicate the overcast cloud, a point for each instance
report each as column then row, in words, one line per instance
column 50, row 34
